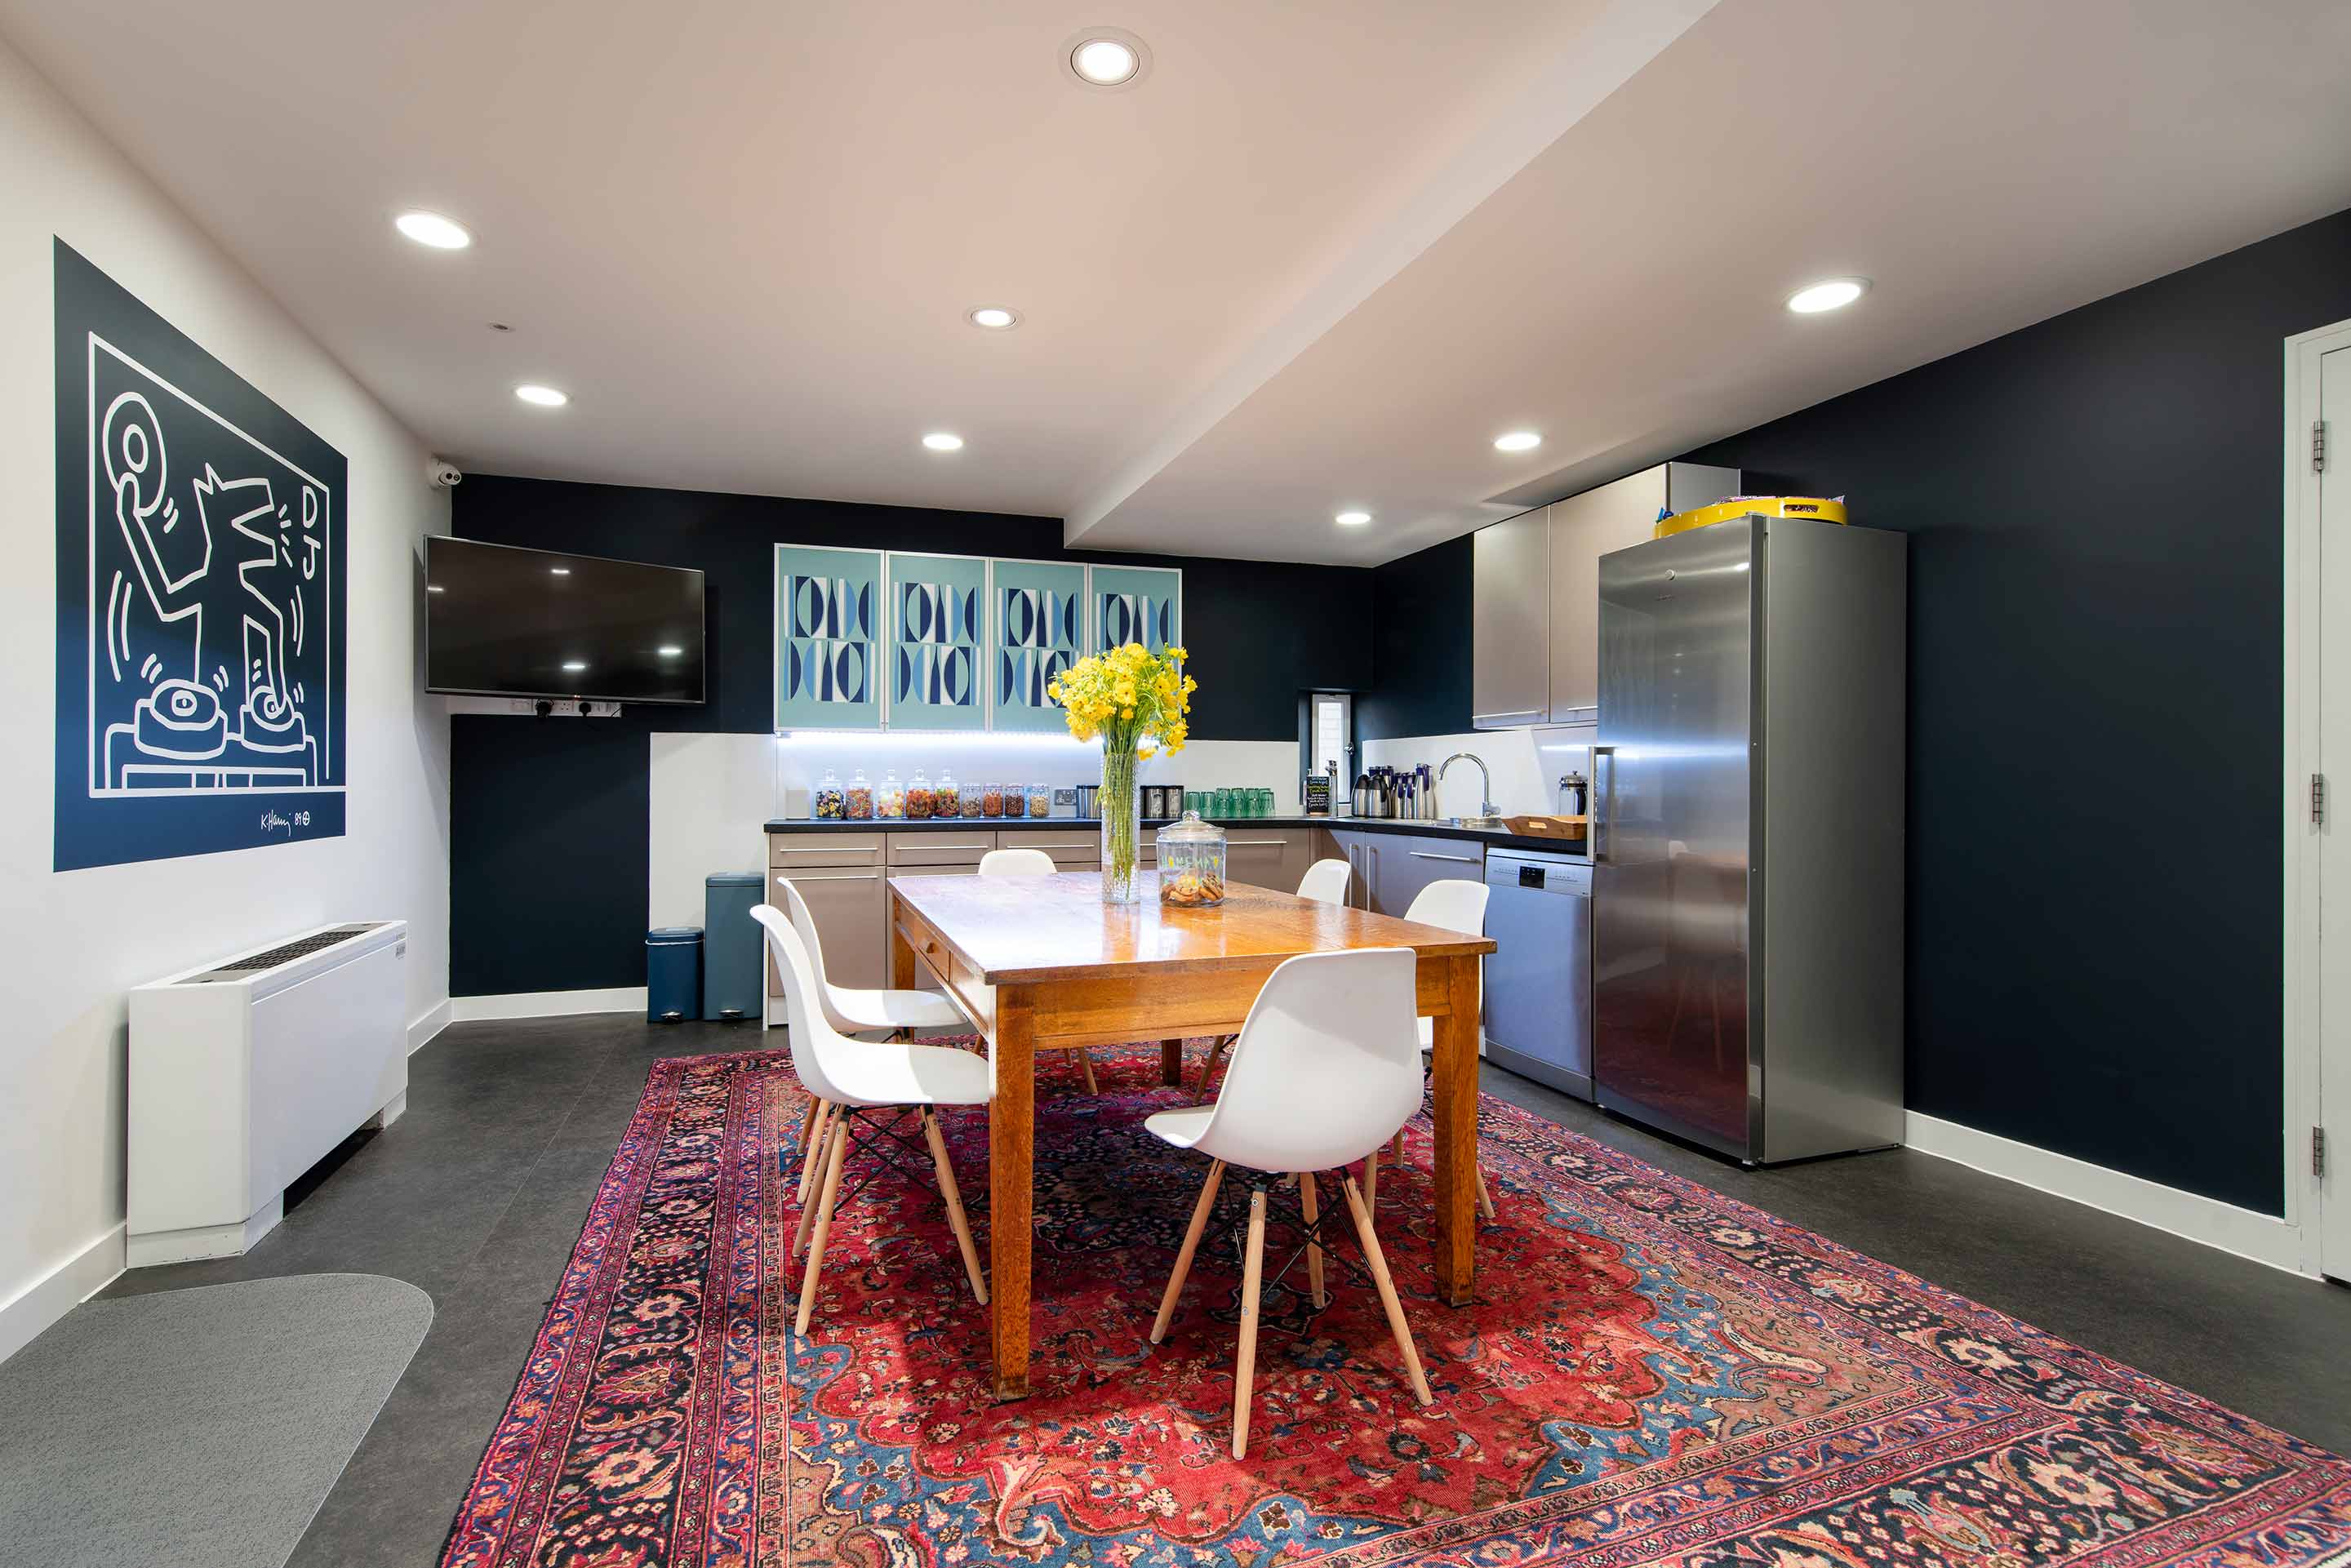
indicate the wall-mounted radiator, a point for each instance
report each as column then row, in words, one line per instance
column 245, row 1072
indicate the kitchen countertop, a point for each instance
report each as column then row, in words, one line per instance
column 1489, row 836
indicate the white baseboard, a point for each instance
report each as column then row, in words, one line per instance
column 432, row 1022
column 57, row 1292
column 2262, row 1237
column 548, row 1004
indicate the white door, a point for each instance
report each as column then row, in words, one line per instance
column 2334, row 837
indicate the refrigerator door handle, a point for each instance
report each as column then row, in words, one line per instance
column 1604, row 800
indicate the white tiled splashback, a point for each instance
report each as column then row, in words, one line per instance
column 713, row 794
column 1526, row 764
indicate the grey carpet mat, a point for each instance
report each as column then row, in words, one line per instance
column 195, row 1427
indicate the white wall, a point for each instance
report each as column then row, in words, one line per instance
column 70, row 943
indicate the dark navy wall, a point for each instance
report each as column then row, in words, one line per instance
column 2095, row 506
column 526, row 794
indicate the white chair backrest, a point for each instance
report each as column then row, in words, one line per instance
column 804, row 927
column 1327, row 1067
column 809, row 1034
column 1450, row 906
column 1325, row 882
column 1017, row 863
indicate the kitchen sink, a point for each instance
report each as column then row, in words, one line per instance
column 1492, row 824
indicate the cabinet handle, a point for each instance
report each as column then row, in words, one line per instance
column 1237, row 842
column 1507, row 713
column 835, row 876
column 1432, row 855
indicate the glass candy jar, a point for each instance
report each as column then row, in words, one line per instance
column 920, row 798
column 946, row 797
column 991, row 800
column 1040, row 799
column 858, row 798
column 832, row 800
column 1191, row 863
column 890, row 800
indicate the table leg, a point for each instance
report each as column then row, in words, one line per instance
column 1454, row 1072
column 1171, row 1063
column 1010, row 1180
column 902, row 957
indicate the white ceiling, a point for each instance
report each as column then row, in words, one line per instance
column 1319, row 258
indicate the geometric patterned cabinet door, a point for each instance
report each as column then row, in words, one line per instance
column 829, row 638
column 937, row 642
column 1136, row 604
column 1038, row 632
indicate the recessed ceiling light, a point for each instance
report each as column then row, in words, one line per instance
column 995, row 317
column 1110, row 57
column 1829, row 294
column 1352, row 519
column 940, row 441
column 544, row 397
column 558, row 571
column 435, row 588
column 575, row 666
column 432, row 229
column 1518, row 441
column 669, row 651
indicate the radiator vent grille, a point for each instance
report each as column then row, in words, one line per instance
column 285, row 953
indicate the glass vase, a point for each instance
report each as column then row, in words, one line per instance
column 1121, row 805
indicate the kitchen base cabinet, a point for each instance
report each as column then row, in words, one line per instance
column 1071, row 846
column 1390, row 869
column 847, row 907
column 1267, row 857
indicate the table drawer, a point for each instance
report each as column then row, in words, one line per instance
column 817, row 851
column 1073, row 848
column 939, row 848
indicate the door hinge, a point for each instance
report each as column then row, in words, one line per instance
column 2318, row 1150
column 2318, row 446
column 2318, row 799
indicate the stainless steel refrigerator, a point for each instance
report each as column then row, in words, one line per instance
column 1747, row 825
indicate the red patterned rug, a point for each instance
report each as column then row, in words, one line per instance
column 1651, row 1374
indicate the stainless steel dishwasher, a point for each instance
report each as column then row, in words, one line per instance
column 1539, row 978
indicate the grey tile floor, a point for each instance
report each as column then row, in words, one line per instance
column 478, row 1192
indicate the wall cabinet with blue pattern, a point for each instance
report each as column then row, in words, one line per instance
column 896, row 640
column 828, row 633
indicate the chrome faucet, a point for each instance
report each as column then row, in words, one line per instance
column 1485, row 781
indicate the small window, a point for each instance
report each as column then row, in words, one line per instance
column 1332, row 731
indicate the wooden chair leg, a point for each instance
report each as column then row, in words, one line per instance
column 1485, row 1197
column 1389, row 1303
column 1313, row 1248
column 1086, row 1061
column 834, row 1125
column 1396, row 1147
column 1184, row 1254
column 824, row 1206
column 1372, row 1180
column 954, row 1195
column 1245, row 1365
column 1216, row 1048
column 812, row 1142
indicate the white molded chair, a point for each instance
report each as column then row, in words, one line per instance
column 1033, row 863
column 849, row 1078
column 1323, row 1019
column 1454, row 904
column 1017, row 863
column 1325, row 882
column 855, row 1011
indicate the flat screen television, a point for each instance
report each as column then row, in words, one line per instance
column 500, row 621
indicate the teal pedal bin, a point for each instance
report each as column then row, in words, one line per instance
column 673, row 973
column 732, row 949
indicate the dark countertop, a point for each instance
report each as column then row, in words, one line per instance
column 1230, row 824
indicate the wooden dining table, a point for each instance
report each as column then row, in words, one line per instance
column 1043, row 964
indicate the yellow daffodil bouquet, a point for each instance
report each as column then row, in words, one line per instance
column 1138, row 703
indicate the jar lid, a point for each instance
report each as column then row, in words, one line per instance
column 1190, row 830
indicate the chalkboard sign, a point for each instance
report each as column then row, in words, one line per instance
column 1318, row 794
